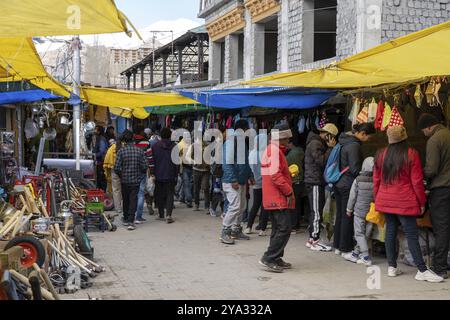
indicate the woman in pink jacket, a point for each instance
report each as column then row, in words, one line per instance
column 278, row 197
column 399, row 193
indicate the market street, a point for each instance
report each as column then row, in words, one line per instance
column 186, row 261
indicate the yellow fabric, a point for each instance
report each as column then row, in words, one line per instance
column 375, row 217
column 32, row 18
column 19, row 60
column 421, row 54
column 132, row 99
column 110, row 158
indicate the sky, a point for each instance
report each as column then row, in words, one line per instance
column 146, row 12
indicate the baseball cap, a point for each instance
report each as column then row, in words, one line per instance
column 330, row 128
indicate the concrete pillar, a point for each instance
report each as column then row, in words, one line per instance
column 214, row 60
column 128, row 75
column 152, row 79
column 164, row 57
column 232, row 57
column 248, row 47
column 308, row 32
column 283, row 33
column 258, row 48
column 368, row 32
column 134, row 79
column 142, row 77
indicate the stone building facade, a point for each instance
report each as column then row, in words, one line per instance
column 251, row 38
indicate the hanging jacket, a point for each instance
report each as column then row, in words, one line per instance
column 276, row 179
column 351, row 156
column 406, row 195
column 316, row 156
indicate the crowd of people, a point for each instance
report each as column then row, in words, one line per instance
column 292, row 194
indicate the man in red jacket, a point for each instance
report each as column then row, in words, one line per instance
column 278, row 197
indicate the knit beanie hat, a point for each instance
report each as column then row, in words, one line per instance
column 281, row 132
column 427, row 120
column 396, row 134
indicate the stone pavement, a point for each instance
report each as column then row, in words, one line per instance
column 186, row 261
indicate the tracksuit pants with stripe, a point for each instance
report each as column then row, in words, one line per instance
column 316, row 197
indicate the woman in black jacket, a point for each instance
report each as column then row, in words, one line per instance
column 351, row 161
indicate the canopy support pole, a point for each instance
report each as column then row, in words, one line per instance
column 77, row 108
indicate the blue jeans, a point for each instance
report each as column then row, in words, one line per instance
column 411, row 231
column 187, row 184
column 141, row 199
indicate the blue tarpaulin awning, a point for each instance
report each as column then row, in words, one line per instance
column 271, row 97
column 26, row 96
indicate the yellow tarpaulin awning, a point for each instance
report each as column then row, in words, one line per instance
column 421, row 54
column 19, row 60
column 33, row 18
column 132, row 99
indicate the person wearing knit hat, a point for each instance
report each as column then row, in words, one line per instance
column 437, row 174
column 278, row 198
column 399, row 193
column 397, row 134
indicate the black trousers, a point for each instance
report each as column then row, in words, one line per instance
column 101, row 179
column 281, row 233
column 301, row 205
column 440, row 219
column 201, row 181
column 164, row 196
column 316, row 197
column 257, row 204
column 343, row 228
column 130, row 200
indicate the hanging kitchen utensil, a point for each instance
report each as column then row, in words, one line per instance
column 31, row 129
column 48, row 107
column 63, row 120
column 49, row 133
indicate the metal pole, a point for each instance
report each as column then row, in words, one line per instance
column 76, row 89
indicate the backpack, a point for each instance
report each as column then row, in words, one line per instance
column 333, row 172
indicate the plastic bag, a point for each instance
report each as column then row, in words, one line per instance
column 150, row 186
column 375, row 217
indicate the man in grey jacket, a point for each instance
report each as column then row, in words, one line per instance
column 437, row 173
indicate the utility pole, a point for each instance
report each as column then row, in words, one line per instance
column 76, row 47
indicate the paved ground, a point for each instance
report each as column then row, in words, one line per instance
column 186, row 261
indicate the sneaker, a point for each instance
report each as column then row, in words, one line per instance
column 319, row 246
column 429, row 276
column 189, row 205
column 394, row 272
column 351, row 256
column 443, row 275
column 239, row 235
column 337, row 252
column 170, row 220
column 226, row 237
column 212, row 213
column 309, row 243
column 283, row 264
column 365, row 260
column 271, row 266
column 263, row 233
column 248, row 231
column 258, row 228
column 131, row 227
column 196, row 208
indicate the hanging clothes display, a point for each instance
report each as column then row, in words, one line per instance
column 354, row 112
column 418, row 96
column 301, row 125
column 380, row 115
column 363, row 116
column 372, row 113
column 386, row 116
column 396, row 118
column 323, row 120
